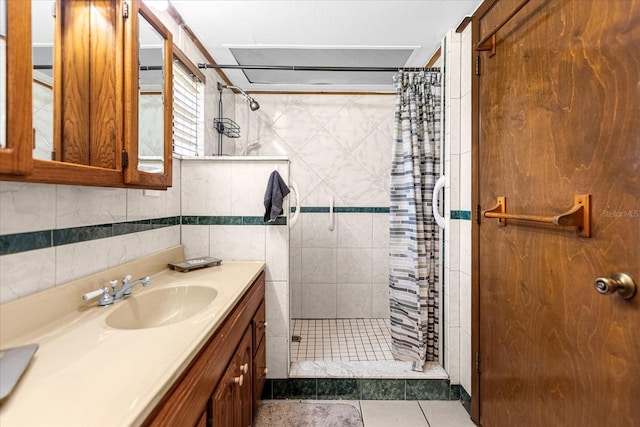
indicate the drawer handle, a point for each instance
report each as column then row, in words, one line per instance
column 244, row 368
column 239, row 380
column 264, row 372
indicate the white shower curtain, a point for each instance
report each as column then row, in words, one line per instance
column 414, row 236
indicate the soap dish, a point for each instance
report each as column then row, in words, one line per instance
column 193, row 264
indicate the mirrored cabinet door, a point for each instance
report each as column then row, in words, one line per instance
column 42, row 31
column 148, row 90
column 16, row 134
column 74, row 109
column 3, row 74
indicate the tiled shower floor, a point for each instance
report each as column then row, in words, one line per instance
column 350, row 348
column 346, row 340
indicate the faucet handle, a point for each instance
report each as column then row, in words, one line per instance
column 105, row 296
column 114, row 284
column 126, row 279
column 93, row 294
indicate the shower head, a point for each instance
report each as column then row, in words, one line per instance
column 253, row 104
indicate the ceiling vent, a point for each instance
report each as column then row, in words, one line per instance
column 322, row 57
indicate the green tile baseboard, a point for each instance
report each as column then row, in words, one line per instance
column 465, row 399
column 360, row 389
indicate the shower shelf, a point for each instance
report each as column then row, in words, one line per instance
column 227, row 127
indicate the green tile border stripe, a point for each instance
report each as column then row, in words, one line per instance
column 360, row 389
column 230, row 220
column 325, row 209
column 22, row 242
column 464, row 215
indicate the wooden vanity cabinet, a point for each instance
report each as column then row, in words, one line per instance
column 209, row 390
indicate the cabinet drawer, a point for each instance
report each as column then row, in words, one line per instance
column 259, row 324
column 259, row 374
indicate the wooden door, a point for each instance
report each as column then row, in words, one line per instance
column 559, row 115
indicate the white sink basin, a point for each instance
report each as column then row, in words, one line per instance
column 160, row 307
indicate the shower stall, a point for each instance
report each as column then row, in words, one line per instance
column 339, row 147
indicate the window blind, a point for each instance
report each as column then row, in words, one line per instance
column 188, row 123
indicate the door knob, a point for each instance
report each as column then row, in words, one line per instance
column 620, row 283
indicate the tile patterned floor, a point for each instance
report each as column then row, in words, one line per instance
column 341, row 340
column 408, row 413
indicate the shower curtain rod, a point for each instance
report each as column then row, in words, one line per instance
column 316, row 68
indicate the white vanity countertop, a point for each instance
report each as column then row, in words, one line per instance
column 86, row 373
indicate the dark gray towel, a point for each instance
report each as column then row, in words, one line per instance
column 273, row 196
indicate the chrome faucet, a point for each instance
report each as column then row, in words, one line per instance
column 125, row 289
column 107, row 298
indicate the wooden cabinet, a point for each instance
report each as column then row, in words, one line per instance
column 259, row 374
column 15, row 145
column 224, row 382
column 259, row 325
column 231, row 404
column 95, row 96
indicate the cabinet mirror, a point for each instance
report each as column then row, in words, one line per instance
column 3, row 74
column 148, row 87
column 73, row 105
column 150, row 99
column 42, row 30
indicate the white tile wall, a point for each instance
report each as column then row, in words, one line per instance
column 315, row 231
column 237, row 242
column 205, row 190
column 27, row 207
column 380, row 300
column 354, row 253
column 276, row 256
column 354, row 265
column 458, row 197
column 355, row 230
column 341, row 141
column 14, row 280
column 196, row 240
column 319, row 265
column 319, row 300
column 242, row 184
column 77, row 205
column 353, row 300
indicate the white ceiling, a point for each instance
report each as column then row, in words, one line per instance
column 273, row 32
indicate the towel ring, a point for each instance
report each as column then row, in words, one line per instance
column 434, row 202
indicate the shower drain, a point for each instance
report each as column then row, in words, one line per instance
column 296, row 338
